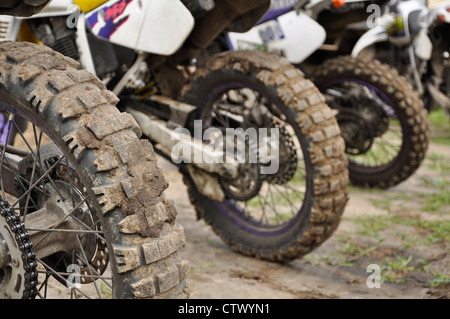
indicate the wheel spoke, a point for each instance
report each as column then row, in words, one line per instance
column 273, row 205
column 45, row 180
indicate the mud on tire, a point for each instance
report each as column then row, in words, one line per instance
column 120, row 171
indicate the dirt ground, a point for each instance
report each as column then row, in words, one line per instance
column 404, row 230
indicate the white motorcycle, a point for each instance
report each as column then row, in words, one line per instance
column 381, row 117
column 415, row 39
column 143, row 51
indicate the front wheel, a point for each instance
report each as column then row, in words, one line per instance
column 382, row 119
column 274, row 215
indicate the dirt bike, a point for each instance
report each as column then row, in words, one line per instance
column 381, row 117
column 274, row 196
column 415, row 39
column 73, row 174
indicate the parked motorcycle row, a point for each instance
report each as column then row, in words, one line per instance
column 92, row 91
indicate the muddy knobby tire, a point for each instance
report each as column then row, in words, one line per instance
column 119, row 170
column 407, row 104
column 327, row 196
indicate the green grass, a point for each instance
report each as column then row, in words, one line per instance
column 439, row 120
column 440, row 140
column 438, row 162
column 354, row 251
column 440, row 127
column 105, row 291
column 438, row 200
column 439, row 279
column 371, row 226
column 410, row 240
column 346, row 255
column 396, row 269
column 438, row 231
column 203, row 266
column 385, row 204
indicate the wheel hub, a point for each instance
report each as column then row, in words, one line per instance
column 61, row 205
column 248, row 182
column 362, row 117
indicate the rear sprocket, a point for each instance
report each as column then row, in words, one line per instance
column 18, row 274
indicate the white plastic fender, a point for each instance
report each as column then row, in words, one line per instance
column 151, row 26
column 57, row 8
column 374, row 35
column 292, row 36
column 423, row 47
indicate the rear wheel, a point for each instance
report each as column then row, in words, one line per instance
column 83, row 211
column 282, row 214
column 382, row 119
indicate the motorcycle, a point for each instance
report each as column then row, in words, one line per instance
column 73, row 173
column 414, row 39
column 259, row 149
column 381, row 117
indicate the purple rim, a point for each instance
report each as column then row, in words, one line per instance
column 273, row 14
column 3, row 125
